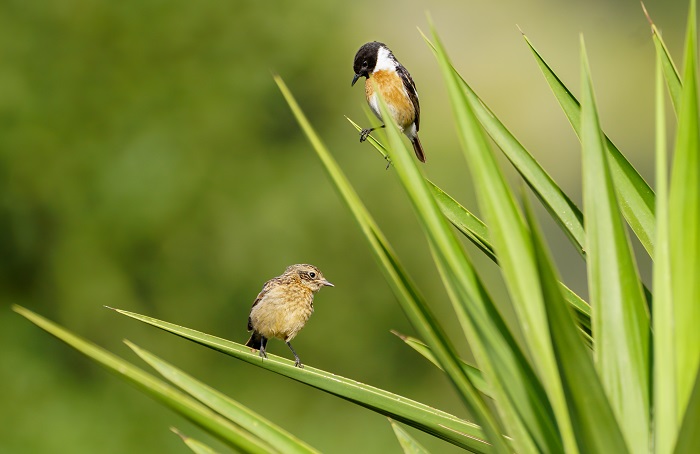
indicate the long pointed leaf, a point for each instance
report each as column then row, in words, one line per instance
column 673, row 80
column 262, row 428
column 474, row 373
column 418, row 415
column 161, row 391
column 412, row 302
column 477, row 232
column 684, row 225
column 594, row 423
column 665, row 413
column 620, row 323
column 195, row 445
column 407, row 442
column 635, row 195
column 689, row 435
column 509, row 374
column 562, row 209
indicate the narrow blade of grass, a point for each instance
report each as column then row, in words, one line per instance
column 443, row 425
column 474, row 373
column 412, row 302
column 407, row 442
column 514, row 250
column 684, row 226
column 184, row 405
column 620, row 321
column 195, row 445
column 594, row 424
column 635, row 195
column 664, row 373
column 274, row 435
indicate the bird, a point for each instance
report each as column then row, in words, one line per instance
column 374, row 60
column 283, row 307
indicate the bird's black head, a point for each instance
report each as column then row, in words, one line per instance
column 366, row 59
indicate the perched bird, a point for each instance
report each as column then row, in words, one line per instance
column 283, row 307
column 374, row 60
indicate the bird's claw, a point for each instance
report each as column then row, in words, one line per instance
column 363, row 134
column 298, row 364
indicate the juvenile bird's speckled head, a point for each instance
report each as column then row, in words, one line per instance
column 308, row 275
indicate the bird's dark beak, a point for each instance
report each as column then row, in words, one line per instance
column 327, row 284
column 354, row 79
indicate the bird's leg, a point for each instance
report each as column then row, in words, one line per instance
column 365, row 132
column 297, row 361
column 263, row 345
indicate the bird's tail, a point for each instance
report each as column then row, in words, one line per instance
column 418, row 148
column 255, row 341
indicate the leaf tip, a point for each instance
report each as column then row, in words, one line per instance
column 403, row 337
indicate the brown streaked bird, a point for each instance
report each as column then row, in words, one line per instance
column 374, row 60
column 283, row 307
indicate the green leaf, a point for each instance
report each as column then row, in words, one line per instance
column 191, row 409
column 664, row 373
column 620, row 321
column 684, row 226
column 689, row 435
column 514, row 250
column 418, row 415
column 673, row 80
column 636, row 197
column 562, row 209
column 412, row 302
column 407, row 442
column 594, row 424
column 510, row 376
column 195, row 445
column 474, row 373
column 477, row 232
column 275, row 436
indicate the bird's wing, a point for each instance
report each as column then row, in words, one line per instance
column 411, row 90
column 265, row 289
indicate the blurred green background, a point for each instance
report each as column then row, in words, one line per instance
column 148, row 162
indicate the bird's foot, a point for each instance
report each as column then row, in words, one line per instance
column 298, row 364
column 364, row 133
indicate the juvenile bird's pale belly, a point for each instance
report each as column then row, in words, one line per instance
column 282, row 313
column 391, row 87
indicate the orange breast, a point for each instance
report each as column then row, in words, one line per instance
column 390, row 86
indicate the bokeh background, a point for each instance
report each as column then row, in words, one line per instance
column 148, row 162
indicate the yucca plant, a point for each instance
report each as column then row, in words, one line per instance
column 616, row 374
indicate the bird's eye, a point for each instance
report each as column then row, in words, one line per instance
column 312, row 275
column 364, row 63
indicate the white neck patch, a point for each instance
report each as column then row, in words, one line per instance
column 385, row 60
